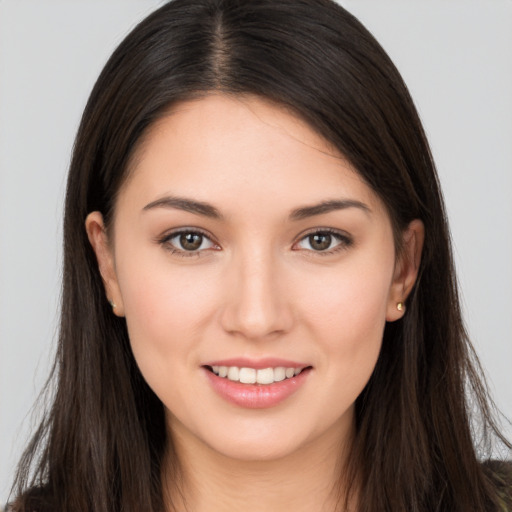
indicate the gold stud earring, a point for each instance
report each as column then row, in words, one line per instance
column 400, row 306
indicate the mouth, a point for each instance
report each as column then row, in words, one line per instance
column 256, row 384
column 261, row 376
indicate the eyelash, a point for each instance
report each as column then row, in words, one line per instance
column 344, row 242
column 165, row 241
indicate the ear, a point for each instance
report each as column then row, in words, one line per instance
column 104, row 255
column 406, row 269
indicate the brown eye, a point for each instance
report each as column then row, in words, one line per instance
column 320, row 241
column 324, row 242
column 187, row 243
column 191, row 241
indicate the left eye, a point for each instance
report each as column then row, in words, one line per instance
column 321, row 241
column 190, row 241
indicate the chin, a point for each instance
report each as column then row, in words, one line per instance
column 257, row 449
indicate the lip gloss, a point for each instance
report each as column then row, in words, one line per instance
column 256, row 396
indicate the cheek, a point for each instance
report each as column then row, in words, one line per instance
column 347, row 319
column 353, row 335
column 166, row 308
column 351, row 300
column 166, row 313
column 158, row 299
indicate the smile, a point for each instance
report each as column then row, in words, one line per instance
column 268, row 385
column 264, row 376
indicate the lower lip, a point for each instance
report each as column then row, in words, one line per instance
column 256, row 396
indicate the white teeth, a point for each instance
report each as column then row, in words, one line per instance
column 234, row 373
column 279, row 374
column 265, row 376
column 247, row 375
column 252, row 376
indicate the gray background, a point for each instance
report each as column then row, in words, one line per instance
column 456, row 58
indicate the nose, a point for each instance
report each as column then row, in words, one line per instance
column 256, row 305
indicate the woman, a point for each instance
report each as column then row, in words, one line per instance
column 259, row 305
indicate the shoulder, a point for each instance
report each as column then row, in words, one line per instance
column 35, row 499
column 500, row 473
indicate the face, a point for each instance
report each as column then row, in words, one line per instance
column 244, row 244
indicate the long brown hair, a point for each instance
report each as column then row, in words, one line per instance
column 101, row 443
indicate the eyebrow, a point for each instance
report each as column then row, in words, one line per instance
column 326, row 207
column 187, row 205
column 207, row 210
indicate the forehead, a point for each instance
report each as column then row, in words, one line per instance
column 236, row 150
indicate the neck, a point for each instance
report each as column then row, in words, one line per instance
column 307, row 480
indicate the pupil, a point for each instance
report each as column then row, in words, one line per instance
column 191, row 241
column 320, row 241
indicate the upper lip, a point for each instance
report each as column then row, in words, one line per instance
column 257, row 364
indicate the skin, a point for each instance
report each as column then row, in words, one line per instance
column 260, row 288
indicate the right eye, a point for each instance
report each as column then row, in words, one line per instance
column 187, row 243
